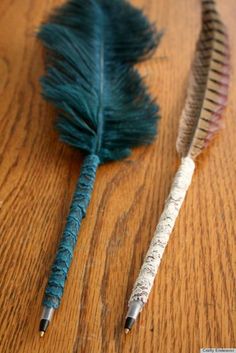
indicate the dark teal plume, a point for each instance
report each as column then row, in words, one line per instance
column 104, row 107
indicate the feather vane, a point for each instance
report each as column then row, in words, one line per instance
column 208, row 86
column 105, row 108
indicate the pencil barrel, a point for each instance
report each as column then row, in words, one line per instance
column 78, row 208
column 181, row 183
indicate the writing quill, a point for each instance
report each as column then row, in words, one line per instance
column 201, row 119
column 104, row 107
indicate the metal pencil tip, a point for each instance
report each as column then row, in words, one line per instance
column 127, row 331
column 41, row 333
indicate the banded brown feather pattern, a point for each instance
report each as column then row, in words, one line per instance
column 208, row 88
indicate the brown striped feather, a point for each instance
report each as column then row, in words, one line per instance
column 208, row 87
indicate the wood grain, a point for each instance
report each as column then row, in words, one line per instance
column 193, row 302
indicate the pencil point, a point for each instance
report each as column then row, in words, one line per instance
column 46, row 318
column 129, row 324
column 43, row 327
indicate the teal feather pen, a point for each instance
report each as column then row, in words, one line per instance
column 104, row 107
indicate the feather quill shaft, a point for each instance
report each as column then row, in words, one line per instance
column 201, row 119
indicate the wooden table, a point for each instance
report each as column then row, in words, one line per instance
column 192, row 304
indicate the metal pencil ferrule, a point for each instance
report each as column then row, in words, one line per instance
column 47, row 313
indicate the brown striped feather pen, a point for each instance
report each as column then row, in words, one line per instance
column 201, row 119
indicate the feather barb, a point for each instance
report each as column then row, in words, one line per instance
column 208, row 87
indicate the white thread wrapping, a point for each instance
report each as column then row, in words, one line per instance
column 181, row 183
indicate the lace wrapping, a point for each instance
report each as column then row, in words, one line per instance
column 181, row 183
column 79, row 205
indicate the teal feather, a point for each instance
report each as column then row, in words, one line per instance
column 104, row 106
